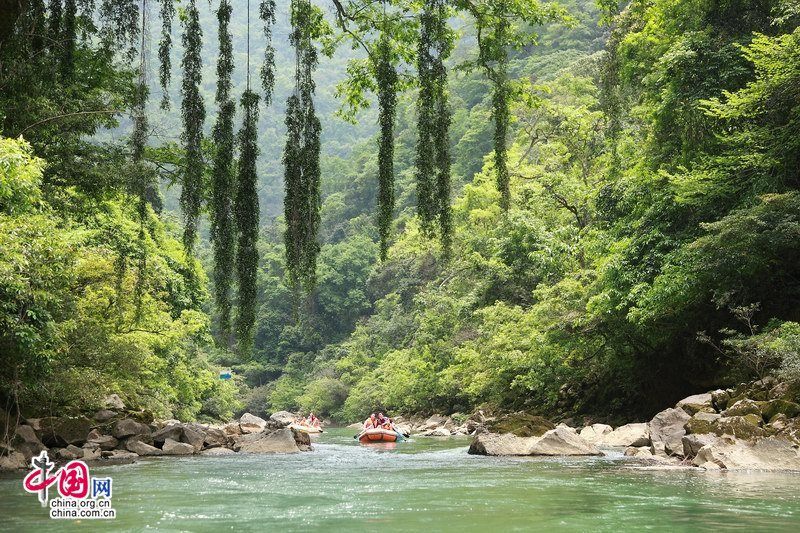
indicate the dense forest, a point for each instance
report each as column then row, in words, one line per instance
column 568, row 208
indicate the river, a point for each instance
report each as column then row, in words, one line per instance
column 425, row 484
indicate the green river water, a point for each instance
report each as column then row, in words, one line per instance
column 425, row 484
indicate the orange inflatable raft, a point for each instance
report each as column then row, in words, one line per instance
column 379, row 435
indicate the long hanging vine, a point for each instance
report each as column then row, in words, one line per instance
column 500, row 97
column 56, row 12
column 223, row 231
column 193, row 113
column 433, row 123
column 301, row 155
column 246, row 212
column 164, row 48
column 267, row 14
column 386, row 77
column 68, row 39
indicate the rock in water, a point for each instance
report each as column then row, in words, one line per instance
column 635, row 435
column 768, row 454
column 61, row 431
column 559, row 441
column 251, row 423
column 279, row 441
column 13, row 461
column 140, row 448
column 173, row 447
column 694, row 442
column 596, row 432
column 495, row 444
column 563, row 440
column 283, row 418
column 667, row 428
column 218, row 451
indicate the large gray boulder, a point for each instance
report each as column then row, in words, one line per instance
column 194, row 436
column 140, row 448
column 278, row 441
column 250, row 423
column 104, row 442
column 596, row 432
column 13, row 460
column 694, row 442
column 667, row 429
column 500, row 444
column 743, row 408
column 562, row 440
column 61, row 431
column 218, row 452
column 636, row 435
column 27, row 442
column 128, row 427
column 702, row 422
column 173, row 447
column 281, row 418
column 697, row 403
column 170, row 431
column 768, row 454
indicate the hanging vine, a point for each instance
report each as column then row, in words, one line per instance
column 193, row 114
column 223, row 231
column 267, row 14
column 301, row 154
column 247, row 222
column 164, row 49
column 386, row 77
column 498, row 54
column 433, row 123
column 56, row 12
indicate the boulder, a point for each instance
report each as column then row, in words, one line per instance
column 520, row 424
column 113, row 401
column 282, row 418
column 105, row 442
column 127, row 427
column 193, row 437
column 26, row 442
column 279, row 441
column 595, row 432
column 636, row 434
column 61, row 431
column 694, row 442
column 742, row 408
column 437, row 432
column 173, row 447
column 775, row 407
column 232, row 429
column 116, row 457
column 218, row 451
column 778, row 423
column 91, row 451
column 702, row 422
column 140, row 448
column 434, row 422
column 215, row 437
column 563, row 440
column 720, row 399
column 104, row 415
column 500, row 444
column 70, row 452
column 251, row 423
column 767, row 454
column 697, row 403
column 171, row 431
column 302, row 439
column 741, row 427
column 667, row 427
column 640, row 452
column 13, row 460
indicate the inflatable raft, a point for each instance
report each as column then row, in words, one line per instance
column 379, row 435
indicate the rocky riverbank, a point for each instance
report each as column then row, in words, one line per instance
column 115, row 435
column 754, row 426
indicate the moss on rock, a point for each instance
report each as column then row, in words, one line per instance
column 521, row 425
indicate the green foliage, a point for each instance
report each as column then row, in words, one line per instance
column 246, row 215
column 193, row 113
column 167, row 13
column 386, row 77
column 223, row 186
column 267, row 14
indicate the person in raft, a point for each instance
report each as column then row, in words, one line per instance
column 313, row 421
column 372, row 422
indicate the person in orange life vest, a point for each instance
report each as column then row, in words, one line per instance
column 371, row 422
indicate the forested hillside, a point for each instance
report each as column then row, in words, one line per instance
column 615, row 222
